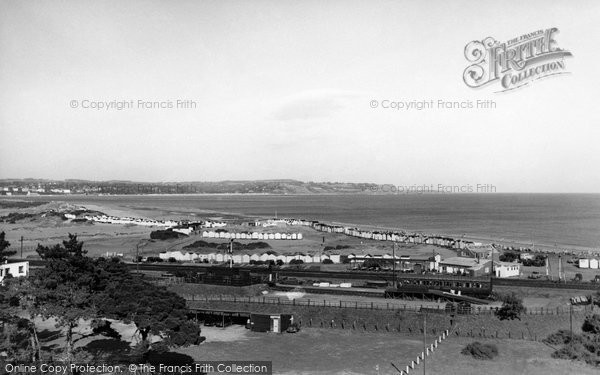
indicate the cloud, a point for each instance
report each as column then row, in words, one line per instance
column 314, row 104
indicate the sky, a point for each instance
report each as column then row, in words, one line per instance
column 284, row 89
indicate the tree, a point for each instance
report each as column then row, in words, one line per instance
column 73, row 287
column 18, row 338
column 64, row 288
column 509, row 257
column 511, row 308
column 4, row 245
column 154, row 310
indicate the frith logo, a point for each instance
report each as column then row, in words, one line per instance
column 514, row 63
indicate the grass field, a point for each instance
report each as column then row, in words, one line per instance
column 515, row 357
column 319, row 351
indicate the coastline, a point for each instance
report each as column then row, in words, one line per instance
column 115, row 205
column 503, row 241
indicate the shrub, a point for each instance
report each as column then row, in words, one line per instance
column 165, row 235
column 296, row 261
column 509, row 257
column 511, row 309
column 480, row 351
column 327, row 261
column 576, row 351
column 591, row 324
column 338, row 247
column 559, row 338
column 584, row 347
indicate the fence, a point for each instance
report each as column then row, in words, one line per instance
column 476, row 310
column 429, row 350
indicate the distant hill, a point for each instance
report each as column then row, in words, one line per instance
column 281, row 186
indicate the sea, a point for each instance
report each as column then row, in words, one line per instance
column 560, row 220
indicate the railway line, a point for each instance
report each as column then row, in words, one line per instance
column 387, row 276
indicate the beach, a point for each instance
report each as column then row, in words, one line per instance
column 487, row 219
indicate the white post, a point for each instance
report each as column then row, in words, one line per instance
column 418, row 360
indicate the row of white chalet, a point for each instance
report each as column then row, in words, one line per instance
column 247, row 258
column 417, row 238
column 453, row 265
column 148, row 222
column 252, row 236
column 588, row 263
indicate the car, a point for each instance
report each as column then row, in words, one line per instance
column 293, row 328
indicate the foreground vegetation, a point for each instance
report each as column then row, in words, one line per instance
column 76, row 290
column 580, row 347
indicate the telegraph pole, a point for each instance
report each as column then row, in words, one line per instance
column 492, row 273
column 571, row 319
column 137, row 257
column 424, row 339
column 21, row 247
column 394, row 263
column 231, row 253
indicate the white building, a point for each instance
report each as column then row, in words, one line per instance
column 16, row 269
column 186, row 231
column 506, row 269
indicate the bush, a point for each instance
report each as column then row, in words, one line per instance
column 538, row 261
column 591, row 324
column 81, row 220
column 576, row 351
column 338, row 247
column 480, row 351
column 296, row 261
column 559, row 338
column 165, row 235
column 509, row 257
column 327, row 261
column 511, row 309
column 584, row 347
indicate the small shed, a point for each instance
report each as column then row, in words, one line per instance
column 261, row 322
